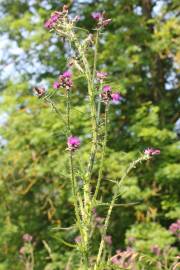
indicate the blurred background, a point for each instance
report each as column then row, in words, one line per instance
column 140, row 51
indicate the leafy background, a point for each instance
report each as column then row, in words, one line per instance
column 139, row 50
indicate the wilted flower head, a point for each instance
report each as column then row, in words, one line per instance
column 125, row 259
column 73, row 143
column 156, row 250
column 116, row 97
column 99, row 221
column 131, row 240
column 108, row 239
column 101, row 76
column 39, row 91
column 151, row 151
column 27, row 237
column 77, row 239
column 22, row 251
column 100, row 18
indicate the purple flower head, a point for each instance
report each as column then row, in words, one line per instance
column 53, row 20
column 67, row 74
column 56, row 85
column 97, row 16
column 151, row 151
column 27, row 237
column 73, row 143
column 106, row 88
column 108, row 239
column 100, row 18
column 116, row 97
column 77, row 239
column 55, row 16
column 175, row 228
column 65, row 80
column 48, row 24
column 101, row 76
column 156, row 250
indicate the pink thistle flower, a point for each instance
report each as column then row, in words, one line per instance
column 56, row 85
column 175, row 228
column 151, row 151
column 53, row 20
column 48, row 24
column 101, row 76
column 65, row 80
column 97, row 16
column 108, row 239
column 27, row 237
column 101, row 20
column 106, row 88
column 116, row 97
column 67, row 74
column 55, row 16
column 73, row 143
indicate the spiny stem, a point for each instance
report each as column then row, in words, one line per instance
column 95, row 55
column 73, row 179
column 103, row 154
column 106, row 223
column 99, row 107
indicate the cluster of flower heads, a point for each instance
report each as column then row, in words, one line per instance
column 151, row 151
column 175, row 228
column 107, row 94
column 55, row 17
column 64, row 81
column 102, row 21
column 73, row 143
column 61, row 16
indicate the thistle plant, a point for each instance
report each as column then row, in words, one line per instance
column 101, row 96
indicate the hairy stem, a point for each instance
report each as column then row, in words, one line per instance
column 115, row 195
column 95, row 54
column 103, row 154
column 76, row 196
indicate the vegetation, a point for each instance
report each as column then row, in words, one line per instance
column 139, row 50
